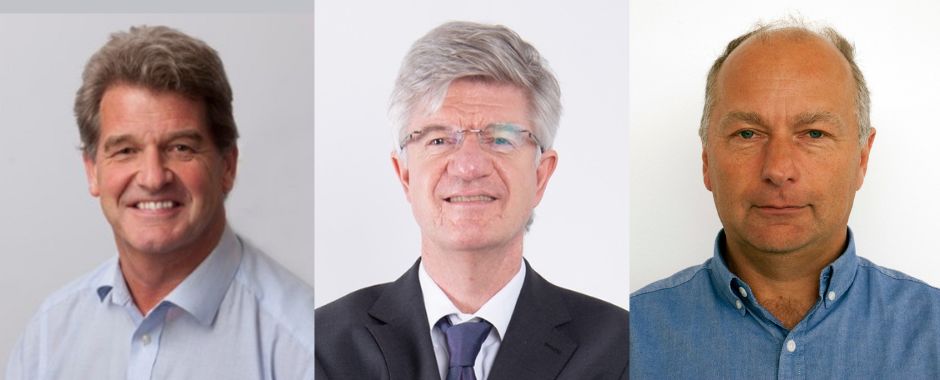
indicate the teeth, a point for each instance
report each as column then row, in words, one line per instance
column 472, row 198
column 154, row 205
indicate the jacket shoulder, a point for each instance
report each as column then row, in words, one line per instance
column 350, row 309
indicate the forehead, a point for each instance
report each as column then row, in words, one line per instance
column 795, row 67
column 474, row 103
column 136, row 110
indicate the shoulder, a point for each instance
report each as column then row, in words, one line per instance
column 79, row 291
column 583, row 306
column 896, row 283
column 685, row 281
column 279, row 294
column 345, row 348
column 59, row 313
column 350, row 309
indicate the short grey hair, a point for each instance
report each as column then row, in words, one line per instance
column 862, row 96
column 458, row 50
column 162, row 59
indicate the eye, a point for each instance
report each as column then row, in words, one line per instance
column 437, row 141
column 125, row 151
column 182, row 148
column 815, row 134
column 502, row 141
column 746, row 134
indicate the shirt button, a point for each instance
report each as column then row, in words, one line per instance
column 791, row 345
column 831, row 296
column 738, row 304
column 742, row 291
column 145, row 339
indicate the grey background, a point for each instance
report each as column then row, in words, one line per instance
column 672, row 46
column 52, row 230
column 365, row 231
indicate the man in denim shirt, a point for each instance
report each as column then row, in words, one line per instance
column 786, row 138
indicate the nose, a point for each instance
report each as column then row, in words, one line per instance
column 780, row 162
column 469, row 161
column 153, row 174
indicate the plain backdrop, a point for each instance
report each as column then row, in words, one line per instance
column 672, row 45
column 365, row 231
column 52, row 230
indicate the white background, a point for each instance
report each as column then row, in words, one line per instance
column 673, row 44
column 52, row 230
column 365, row 231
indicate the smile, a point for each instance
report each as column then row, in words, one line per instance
column 156, row 205
column 470, row 198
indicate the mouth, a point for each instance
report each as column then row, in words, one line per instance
column 772, row 209
column 469, row 199
column 155, row 205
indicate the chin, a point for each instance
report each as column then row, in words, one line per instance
column 778, row 242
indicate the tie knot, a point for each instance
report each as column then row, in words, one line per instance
column 464, row 340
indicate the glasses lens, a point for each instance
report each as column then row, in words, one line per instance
column 504, row 138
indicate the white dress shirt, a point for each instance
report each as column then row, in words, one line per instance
column 497, row 311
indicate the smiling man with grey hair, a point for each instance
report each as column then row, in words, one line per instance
column 786, row 139
column 475, row 110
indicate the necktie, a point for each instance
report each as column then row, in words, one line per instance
column 463, row 345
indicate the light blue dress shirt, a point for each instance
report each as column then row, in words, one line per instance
column 868, row 323
column 238, row 315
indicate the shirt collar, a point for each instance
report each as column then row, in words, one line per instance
column 497, row 310
column 200, row 294
column 834, row 280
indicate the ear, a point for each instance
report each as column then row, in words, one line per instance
column 543, row 173
column 863, row 161
column 91, row 174
column 708, row 181
column 230, row 161
column 401, row 170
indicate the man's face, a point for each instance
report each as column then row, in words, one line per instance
column 472, row 199
column 161, row 180
column 783, row 158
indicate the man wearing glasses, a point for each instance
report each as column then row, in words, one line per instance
column 475, row 110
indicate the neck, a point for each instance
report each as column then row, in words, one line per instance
column 787, row 284
column 150, row 276
column 470, row 278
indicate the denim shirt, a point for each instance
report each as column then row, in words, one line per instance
column 868, row 323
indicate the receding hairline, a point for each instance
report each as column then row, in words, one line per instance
column 764, row 37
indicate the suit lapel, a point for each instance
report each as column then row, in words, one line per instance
column 533, row 347
column 402, row 331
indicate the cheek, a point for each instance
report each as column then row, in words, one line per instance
column 113, row 179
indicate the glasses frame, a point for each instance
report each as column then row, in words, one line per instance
column 462, row 133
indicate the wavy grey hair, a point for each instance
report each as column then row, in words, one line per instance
column 457, row 50
column 158, row 58
column 862, row 96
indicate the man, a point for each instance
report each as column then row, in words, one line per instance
column 475, row 110
column 786, row 140
column 186, row 298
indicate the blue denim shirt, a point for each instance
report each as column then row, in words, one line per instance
column 868, row 323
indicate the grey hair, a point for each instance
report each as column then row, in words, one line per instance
column 459, row 50
column 862, row 96
column 162, row 59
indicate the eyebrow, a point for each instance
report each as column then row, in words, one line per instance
column 191, row 134
column 801, row 119
column 746, row 117
column 113, row 141
column 807, row 118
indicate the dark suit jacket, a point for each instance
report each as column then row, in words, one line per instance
column 381, row 332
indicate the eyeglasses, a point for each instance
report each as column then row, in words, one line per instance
column 502, row 139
